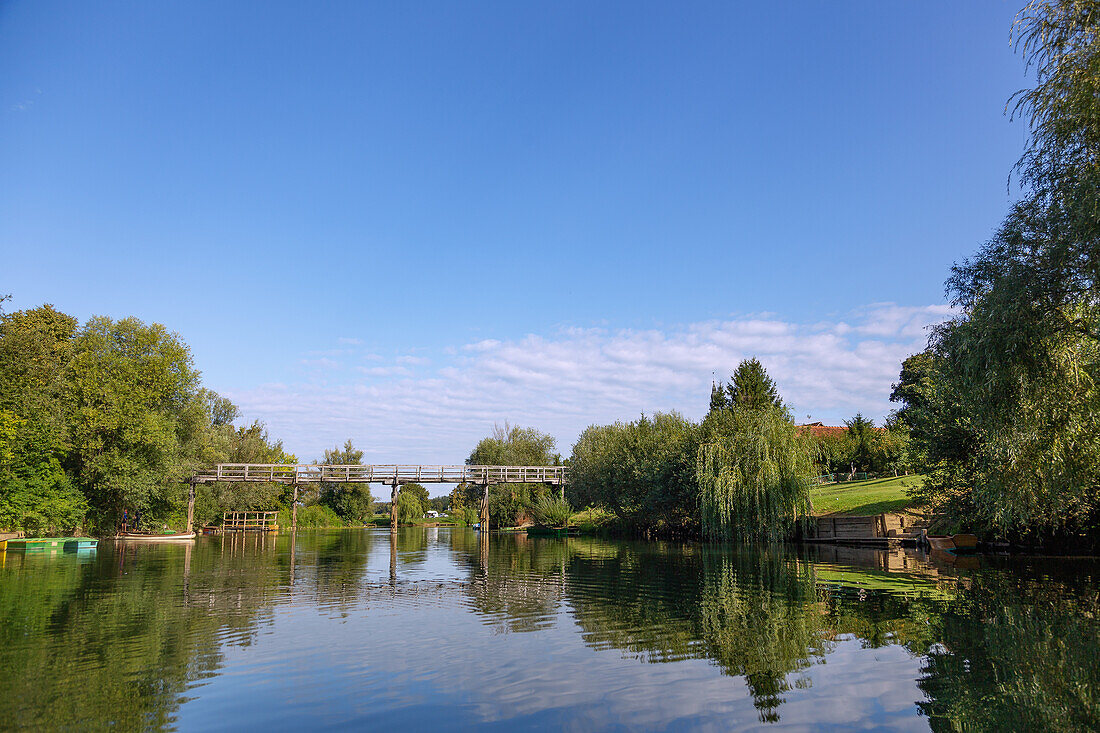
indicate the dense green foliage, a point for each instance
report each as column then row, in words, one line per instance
column 36, row 493
column 110, row 417
column 407, row 507
column 864, row 448
column 667, row 475
column 750, row 386
column 1004, row 408
column 643, row 471
column 511, row 445
column 412, row 502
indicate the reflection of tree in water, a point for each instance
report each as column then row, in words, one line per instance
column 340, row 568
column 1018, row 654
column 117, row 640
column 759, row 617
column 515, row 580
column 754, row 614
column 412, row 545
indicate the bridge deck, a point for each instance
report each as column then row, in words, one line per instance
column 379, row 474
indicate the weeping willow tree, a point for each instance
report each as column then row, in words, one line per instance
column 754, row 480
column 407, row 507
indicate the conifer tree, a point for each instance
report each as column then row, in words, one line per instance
column 751, row 387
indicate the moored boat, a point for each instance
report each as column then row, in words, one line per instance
column 51, row 544
column 965, row 541
column 951, row 542
column 940, row 541
column 144, row 537
column 547, row 531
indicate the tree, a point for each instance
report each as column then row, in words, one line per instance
column 1011, row 430
column 863, row 437
column 642, row 471
column 914, row 386
column 510, row 445
column 36, row 494
column 351, row 501
column 417, row 493
column 719, row 398
column 892, row 446
column 349, row 456
column 754, row 482
column 407, row 507
column 751, row 387
column 133, row 394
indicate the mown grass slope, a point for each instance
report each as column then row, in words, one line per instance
column 863, row 498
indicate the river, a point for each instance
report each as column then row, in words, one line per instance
column 434, row 629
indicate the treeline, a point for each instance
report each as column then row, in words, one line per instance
column 1004, row 406
column 111, row 416
column 744, row 471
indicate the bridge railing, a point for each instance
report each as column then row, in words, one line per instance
column 385, row 473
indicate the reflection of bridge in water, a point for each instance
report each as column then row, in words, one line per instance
column 392, row 475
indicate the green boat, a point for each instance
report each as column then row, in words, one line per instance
column 547, row 531
column 51, row 544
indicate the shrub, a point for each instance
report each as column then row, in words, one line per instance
column 317, row 515
column 551, row 511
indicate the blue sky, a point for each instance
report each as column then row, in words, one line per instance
column 404, row 222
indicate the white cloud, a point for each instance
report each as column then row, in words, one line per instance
column 564, row 381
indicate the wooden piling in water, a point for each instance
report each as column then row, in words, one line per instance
column 483, row 518
column 393, row 508
column 294, row 510
column 190, row 506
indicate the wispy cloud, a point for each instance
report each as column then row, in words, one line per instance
column 564, row 381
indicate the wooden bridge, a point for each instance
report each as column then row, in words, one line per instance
column 393, row 475
column 379, row 474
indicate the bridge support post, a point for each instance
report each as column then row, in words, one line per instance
column 294, row 511
column 484, row 516
column 393, row 508
column 190, row 506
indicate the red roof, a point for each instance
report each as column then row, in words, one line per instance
column 828, row 431
column 820, row 431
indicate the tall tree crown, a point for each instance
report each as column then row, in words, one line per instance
column 751, row 387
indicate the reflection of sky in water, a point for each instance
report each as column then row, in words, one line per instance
column 420, row 656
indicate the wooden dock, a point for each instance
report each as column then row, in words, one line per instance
column 250, row 522
column 879, row 530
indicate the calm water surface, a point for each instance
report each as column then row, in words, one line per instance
column 435, row 629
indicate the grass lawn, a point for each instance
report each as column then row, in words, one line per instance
column 863, row 498
column 383, row 520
